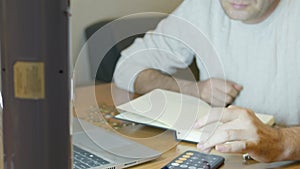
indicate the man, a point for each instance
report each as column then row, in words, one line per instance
column 259, row 48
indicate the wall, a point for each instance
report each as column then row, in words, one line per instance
column 86, row 12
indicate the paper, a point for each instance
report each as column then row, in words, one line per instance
column 172, row 110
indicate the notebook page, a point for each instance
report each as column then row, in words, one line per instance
column 168, row 107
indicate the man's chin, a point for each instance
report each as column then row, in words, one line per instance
column 239, row 16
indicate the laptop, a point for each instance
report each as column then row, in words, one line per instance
column 95, row 148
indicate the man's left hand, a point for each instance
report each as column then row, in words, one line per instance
column 241, row 131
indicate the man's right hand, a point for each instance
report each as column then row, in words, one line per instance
column 217, row 92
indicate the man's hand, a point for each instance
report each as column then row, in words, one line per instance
column 242, row 132
column 216, row 92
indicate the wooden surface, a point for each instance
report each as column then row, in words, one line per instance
column 101, row 99
column 92, row 100
column 161, row 140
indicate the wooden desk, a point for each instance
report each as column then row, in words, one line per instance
column 161, row 140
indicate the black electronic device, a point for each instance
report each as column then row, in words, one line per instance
column 195, row 160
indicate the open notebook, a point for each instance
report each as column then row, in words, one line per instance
column 175, row 111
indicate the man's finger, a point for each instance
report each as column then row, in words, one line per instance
column 228, row 87
column 221, row 99
column 223, row 136
column 217, row 115
column 232, row 147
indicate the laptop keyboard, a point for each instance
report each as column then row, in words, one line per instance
column 84, row 159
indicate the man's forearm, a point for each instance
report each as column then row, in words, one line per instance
column 291, row 137
column 150, row 79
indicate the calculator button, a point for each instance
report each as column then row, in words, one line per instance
column 189, row 153
column 192, row 167
column 178, row 161
column 174, row 164
column 195, row 158
column 182, row 159
column 183, row 166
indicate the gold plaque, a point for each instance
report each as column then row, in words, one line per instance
column 29, row 80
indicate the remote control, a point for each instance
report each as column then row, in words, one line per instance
column 195, row 160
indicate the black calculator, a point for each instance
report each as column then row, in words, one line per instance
column 195, row 160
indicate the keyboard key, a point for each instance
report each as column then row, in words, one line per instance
column 84, row 159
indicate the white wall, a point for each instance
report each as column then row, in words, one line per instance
column 86, row 12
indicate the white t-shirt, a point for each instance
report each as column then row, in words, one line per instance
column 264, row 58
